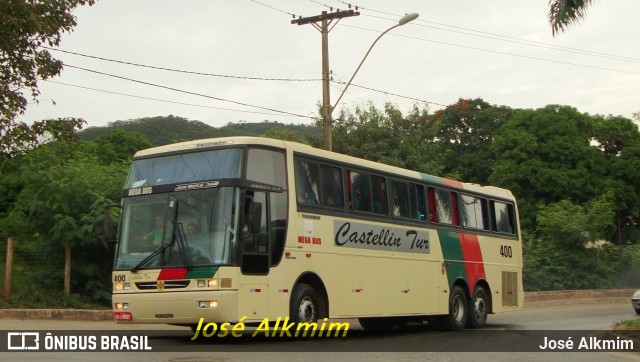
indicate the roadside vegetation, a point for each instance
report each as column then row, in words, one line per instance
column 575, row 176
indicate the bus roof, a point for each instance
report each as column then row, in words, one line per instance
column 211, row 143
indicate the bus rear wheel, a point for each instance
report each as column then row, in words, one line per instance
column 478, row 309
column 304, row 304
column 458, row 310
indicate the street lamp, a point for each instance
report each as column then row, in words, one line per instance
column 327, row 107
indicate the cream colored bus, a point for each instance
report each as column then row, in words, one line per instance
column 243, row 229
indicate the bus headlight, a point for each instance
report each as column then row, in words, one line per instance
column 121, row 286
column 208, row 304
column 208, row 283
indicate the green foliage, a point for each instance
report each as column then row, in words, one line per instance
column 25, row 27
column 64, row 187
column 116, row 145
column 69, row 210
column 570, row 250
column 465, row 131
column 563, row 13
column 388, row 137
column 572, row 226
column 16, row 138
column 300, row 133
column 171, row 129
column 576, row 178
column 545, row 156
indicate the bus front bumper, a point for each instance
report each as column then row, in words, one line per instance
column 175, row 307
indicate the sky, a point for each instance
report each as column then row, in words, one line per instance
column 500, row 51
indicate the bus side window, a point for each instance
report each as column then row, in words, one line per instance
column 399, row 199
column 360, row 195
column 407, row 200
column 331, row 186
column 420, row 211
column 474, row 212
column 502, row 217
column 444, row 205
column 379, row 188
column 307, row 175
column 485, row 215
column 433, row 216
column 454, row 209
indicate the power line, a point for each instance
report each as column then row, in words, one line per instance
column 391, row 94
column 164, row 100
column 513, row 40
column 274, row 8
column 179, row 70
column 499, row 52
column 518, row 40
column 186, row 92
column 209, row 74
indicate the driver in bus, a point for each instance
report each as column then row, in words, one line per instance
column 155, row 235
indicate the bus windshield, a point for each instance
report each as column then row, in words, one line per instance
column 200, row 226
column 186, row 167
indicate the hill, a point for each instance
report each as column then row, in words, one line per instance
column 164, row 130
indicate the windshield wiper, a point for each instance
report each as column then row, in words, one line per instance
column 151, row 256
column 176, row 235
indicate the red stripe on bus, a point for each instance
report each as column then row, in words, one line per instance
column 453, row 183
column 172, row 273
column 472, row 256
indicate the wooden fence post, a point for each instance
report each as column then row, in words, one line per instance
column 7, row 271
column 67, row 269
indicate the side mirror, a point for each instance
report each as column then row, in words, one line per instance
column 106, row 222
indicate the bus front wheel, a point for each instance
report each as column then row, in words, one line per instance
column 304, row 304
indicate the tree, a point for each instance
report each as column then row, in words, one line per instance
column 17, row 138
column 117, row 145
column 565, row 256
column 25, row 27
column 465, row 131
column 619, row 139
column 388, row 137
column 54, row 205
column 563, row 13
column 545, row 156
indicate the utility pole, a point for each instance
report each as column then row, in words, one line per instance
column 325, row 19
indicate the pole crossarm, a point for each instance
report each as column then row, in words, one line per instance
column 325, row 19
column 325, row 16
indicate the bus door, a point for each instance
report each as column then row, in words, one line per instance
column 255, row 256
column 254, row 234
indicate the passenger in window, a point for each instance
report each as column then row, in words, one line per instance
column 310, row 198
column 357, row 194
column 395, row 210
column 329, row 201
column 377, row 207
column 193, row 229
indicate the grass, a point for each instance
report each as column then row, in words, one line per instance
column 628, row 329
column 33, row 298
column 633, row 323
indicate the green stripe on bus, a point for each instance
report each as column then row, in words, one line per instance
column 452, row 254
column 202, row 272
column 432, row 179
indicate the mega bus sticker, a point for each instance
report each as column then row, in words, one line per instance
column 366, row 236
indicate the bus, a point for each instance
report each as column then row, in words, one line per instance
column 245, row 229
